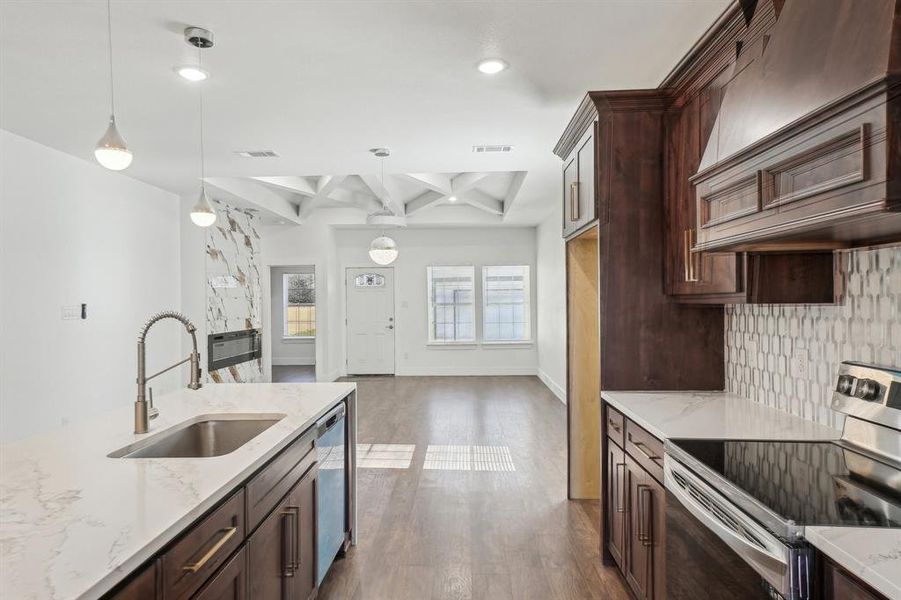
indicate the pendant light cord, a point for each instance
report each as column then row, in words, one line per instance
column 202, row 171
column 109, row 39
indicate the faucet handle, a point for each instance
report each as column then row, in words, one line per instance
column 152, row 412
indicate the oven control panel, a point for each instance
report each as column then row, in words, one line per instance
column 869, row 392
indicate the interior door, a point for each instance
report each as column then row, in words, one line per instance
column 370, row 321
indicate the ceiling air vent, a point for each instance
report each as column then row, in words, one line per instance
column 257, row 153
column 495, row 148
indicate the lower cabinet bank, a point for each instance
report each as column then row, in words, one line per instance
column 260, row 542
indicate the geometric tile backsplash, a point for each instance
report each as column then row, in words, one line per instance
column 787, row 356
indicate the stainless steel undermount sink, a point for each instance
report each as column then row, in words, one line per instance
column 201, row 437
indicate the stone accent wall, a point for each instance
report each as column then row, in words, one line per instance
column 763, row 340
column 233, row 294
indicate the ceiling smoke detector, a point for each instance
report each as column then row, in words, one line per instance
column 199, row 37
column 381, row 152
column 257, row 153
column 492, row 148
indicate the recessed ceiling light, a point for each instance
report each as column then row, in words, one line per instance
column 452, row 199
column 492, row 66
column 192, row 72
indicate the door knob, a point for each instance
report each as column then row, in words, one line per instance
column 390, row 326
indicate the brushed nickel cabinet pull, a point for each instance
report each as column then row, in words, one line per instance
column 688, row 241
column 644, row 528
column 619, row 497
column 290, row 562
column 642, row 447
column 574, row 208
column 197, row 565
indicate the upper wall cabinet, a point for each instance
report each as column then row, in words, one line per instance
column 805, row 151
column 579, row 146
column 719, row 276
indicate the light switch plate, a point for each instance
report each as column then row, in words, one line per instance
column 70, row 313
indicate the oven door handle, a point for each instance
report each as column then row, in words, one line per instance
column 769, row 556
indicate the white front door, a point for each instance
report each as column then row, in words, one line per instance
column 370, row 321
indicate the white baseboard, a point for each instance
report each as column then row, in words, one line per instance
column 293, row 362
column 457, row 371
column 552, row 385
column 328, row 377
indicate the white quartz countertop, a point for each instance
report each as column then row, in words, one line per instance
column 671, row 415
column 73, row 522
column 872, row 554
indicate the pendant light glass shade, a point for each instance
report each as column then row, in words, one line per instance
column 111, row 150
column 203, row 214
column 383, row 250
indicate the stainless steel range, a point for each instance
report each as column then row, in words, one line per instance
column 737, row 510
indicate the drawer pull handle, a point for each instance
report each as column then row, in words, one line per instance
column 228, row 533
column 289, row 541
column 615, row 426
column 646, row 451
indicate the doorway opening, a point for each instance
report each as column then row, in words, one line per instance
column 294, row 328
column 370, row 320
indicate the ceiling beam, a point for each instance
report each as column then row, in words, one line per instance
column 437, row 182
column 298, row 185
column 467, row 181
column 483, row 201
column 513, row 190
column 381, row 191
column 325, row 185
column 257, row 194
column 423, row 201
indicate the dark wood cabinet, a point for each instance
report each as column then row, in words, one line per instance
column 579, row 179
column 143, row 585
column 645, row 547
column 617, row 505
column 230, row 583
column 281, row 552
column 635, row 506
column 837, row 584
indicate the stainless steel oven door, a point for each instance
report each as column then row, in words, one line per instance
column 714, row 550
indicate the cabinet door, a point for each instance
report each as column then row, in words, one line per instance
column 645, row 547
column 229, row 583
column 570, row 183
column 281, row 555
column 617, row 511
column 838, row 585
column 585, row 190
column 142, row 586
column 302, row 500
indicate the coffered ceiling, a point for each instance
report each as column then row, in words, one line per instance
column 322, row 82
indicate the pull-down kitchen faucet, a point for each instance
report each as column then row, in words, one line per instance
column 144, row 412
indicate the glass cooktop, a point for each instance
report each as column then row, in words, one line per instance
column 809, row 483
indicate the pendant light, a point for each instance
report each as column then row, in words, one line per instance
column 112, row 152
column 202, row 214
column 383, row 249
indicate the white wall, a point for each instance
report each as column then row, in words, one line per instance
column 287, row 351
column 73, row 232
column 551, row 294
column 420, row 248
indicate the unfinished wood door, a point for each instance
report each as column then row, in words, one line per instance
column 583, row 367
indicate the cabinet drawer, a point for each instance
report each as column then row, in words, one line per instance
column 271, row 484
column 205, row 547
column 645, row 449
column 228, row 584
column 616, row 426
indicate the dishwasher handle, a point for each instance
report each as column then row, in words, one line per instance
column 331, row 419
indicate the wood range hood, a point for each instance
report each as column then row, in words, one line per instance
column 806, row 149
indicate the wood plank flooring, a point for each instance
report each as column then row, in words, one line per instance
column 437, row 533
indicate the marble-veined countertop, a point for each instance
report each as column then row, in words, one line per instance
column 872, row 554
column 73, row 522
column 672, row 415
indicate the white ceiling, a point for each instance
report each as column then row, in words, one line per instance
column 322, row 82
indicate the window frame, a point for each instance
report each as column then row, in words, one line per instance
column 285, row 335
column 431, row 306
column 527, row 306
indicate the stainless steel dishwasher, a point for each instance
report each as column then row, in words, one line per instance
column 331, row 490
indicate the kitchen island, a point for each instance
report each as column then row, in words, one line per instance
column 75, row 523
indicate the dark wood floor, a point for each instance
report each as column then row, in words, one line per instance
column 294, row 374
column 459, row 534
